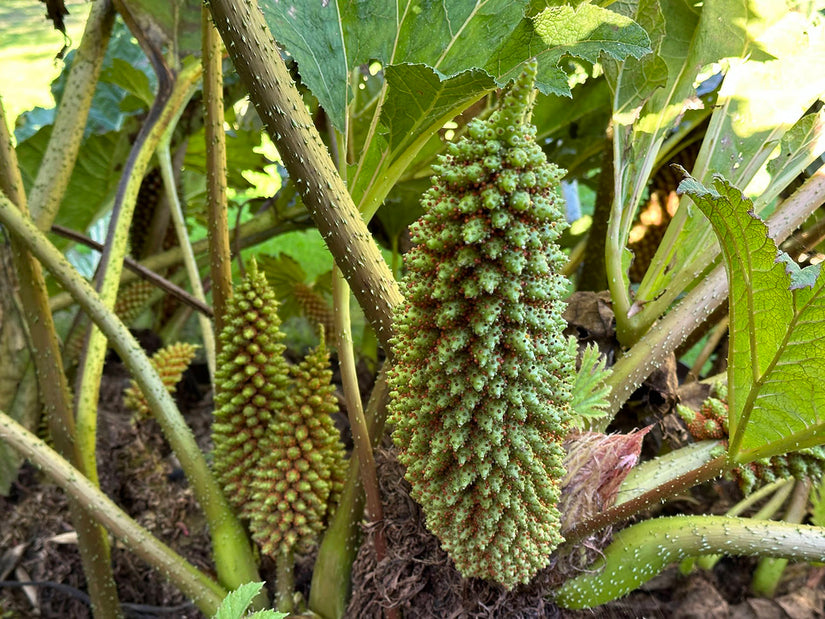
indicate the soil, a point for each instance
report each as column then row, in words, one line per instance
column 139, row 472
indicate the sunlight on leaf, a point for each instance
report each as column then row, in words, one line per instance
column 760, row 100
column 777, row 338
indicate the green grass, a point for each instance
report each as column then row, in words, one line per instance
column 28, row 47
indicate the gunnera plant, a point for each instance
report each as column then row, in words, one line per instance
column 299, row 479
column 252, row 378
column 480, row 386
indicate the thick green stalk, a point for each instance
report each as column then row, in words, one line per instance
column 650, row 351
column 652, row 474
column 93, row 543
column 352, row 396
column 111, row 263
column 58, row 161
column 206, row 593
column 217, row 226
column 655, row 496
column 643, row 550
column 779, row 494
column 280, row 106
column 618, row 229
column 232, row 552
column 285, row 566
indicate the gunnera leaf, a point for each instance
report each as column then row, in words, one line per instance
column 777, row 322
column 480, row 388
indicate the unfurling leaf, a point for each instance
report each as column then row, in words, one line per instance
column 596, row 466
column 590, row 393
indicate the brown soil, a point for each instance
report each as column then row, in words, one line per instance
column 139, row 472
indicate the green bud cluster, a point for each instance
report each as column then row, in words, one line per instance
column 132, row 299
column 480, row 388
column 277, row 452
column 710, row 422
column 301, row 474
column 252, row 377
column 170, row 362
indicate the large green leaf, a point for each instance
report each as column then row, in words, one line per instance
column 777, row 331
column 94, row 178
column 417, row 104
column 438, row 58
column 329, row 40
column 760, row 100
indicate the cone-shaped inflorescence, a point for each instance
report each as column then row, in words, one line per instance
column 300, row 477
column 132, row 299
column 252, row 376
column 481, row 381
column 170, row 362
column 710, row 422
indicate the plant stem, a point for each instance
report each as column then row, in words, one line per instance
column 780, row 491
column 92, row 541
column 254, row 231
column 58, row 161
column 165, row 160
column 769, row 571
column 217, row 227
column 352, row 396
column 232, row 552
column 626, row 509
column 643, row 550
column 285, row 567
column 206, row 593
column 650, row 351
column 163, row 113
column 159, row 281
column 279, row 104
column 665, row 469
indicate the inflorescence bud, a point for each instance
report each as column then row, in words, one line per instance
column 252, row 377
column 170, row 362
column 480, row 388
column 301, row 474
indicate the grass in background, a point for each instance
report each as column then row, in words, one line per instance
column 29, row 45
